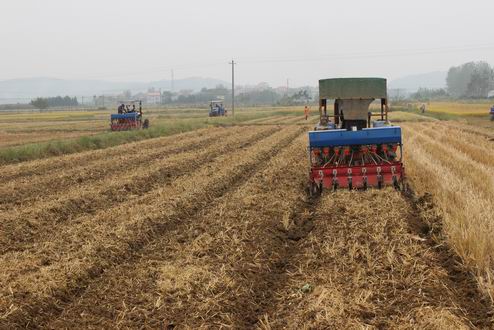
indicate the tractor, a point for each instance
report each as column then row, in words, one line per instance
column 347, row 148
column 492, row 113
column 128, row 117
column 216, row 108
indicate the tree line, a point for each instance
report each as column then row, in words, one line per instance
column 262, row 96
column 472, row 80
column 50, row 102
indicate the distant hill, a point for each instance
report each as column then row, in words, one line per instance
column 412, row 83
column 43, row 87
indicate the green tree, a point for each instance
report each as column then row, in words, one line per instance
column 480, row 81
column 40, row 103
column 426, row 94
column 472, row 79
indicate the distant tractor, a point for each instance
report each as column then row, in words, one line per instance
column 347, row 149
column 492, row 113
column 128, row 117
column 216, row 109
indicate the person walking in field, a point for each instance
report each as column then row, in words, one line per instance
column 306, row 112
column 422, row 108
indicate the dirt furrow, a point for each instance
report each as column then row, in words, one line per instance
column 293, row 119
column 36, row 187
column 272, row 120
column 217, row 269
column 258, row 120
column 35, row 224
column 312, row 120
column 370, row 262
column 88, row 250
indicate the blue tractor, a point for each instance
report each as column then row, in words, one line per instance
column 217, row 109
column 128, row 117
column 492, row 113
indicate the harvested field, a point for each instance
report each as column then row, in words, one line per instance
column 456, row 167
column 28, row 182
column 213, row 228
column 13, row 139
column 381, row 271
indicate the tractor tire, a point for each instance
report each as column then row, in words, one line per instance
column 145, row 125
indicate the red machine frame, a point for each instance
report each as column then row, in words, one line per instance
column 362, row 176
column 125, row 124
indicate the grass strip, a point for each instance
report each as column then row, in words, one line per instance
column 32, row 151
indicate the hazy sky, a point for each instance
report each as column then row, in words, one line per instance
column 271, row 40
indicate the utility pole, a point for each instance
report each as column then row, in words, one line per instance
column 233, row 88
column 173, row 82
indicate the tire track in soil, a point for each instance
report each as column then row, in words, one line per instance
column 278, row 249
column 38, row 311
column 471, row 304
column 36, row 223
column 38, row 187
column 107, row 291
column 270, row 283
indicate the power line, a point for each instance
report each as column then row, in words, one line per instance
column 388, row 53
column 158, row 69
column 322, row 57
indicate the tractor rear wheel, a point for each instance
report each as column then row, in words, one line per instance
column 145, row 125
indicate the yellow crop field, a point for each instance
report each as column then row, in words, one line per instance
column 463, row 109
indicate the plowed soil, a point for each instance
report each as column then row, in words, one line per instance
column 213, row 229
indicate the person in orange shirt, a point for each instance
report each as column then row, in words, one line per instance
column 306, row 112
